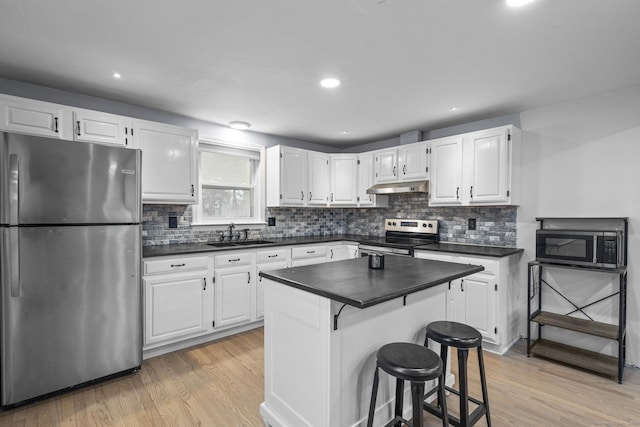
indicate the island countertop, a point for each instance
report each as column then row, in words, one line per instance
column 352, row 282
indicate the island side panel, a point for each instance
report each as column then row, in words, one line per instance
column 296, row 348
column 321, row 377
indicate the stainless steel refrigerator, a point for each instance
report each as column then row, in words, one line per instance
column 70, row 264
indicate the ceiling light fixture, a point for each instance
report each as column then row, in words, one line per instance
column 453, row 109
column 116, row 75
column 330, row 83
column 518, row 3
column 239, row 125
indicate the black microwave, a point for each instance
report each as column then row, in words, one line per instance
column 602, row 249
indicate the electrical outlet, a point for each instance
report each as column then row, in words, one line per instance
column 271, row 221
column 472, row 223
column 173, row 222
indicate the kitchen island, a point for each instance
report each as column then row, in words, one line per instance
column 324, row 324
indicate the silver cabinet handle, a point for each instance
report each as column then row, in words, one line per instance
column 302, row 195
column 178, row 265
column 457, row 192
column 260, row 277
column 332, row 197
column 272, row 256
column 311, row 252
column 394, row 171
column 78, row 122
column 249, row 278
column 310, row 195
column 461, row 285
column 205, row 283
column 404, row 169
column 331, row 253
column 234, row 260
column 471, row 192
column 55, row 121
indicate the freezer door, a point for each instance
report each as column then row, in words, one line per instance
column 47, row 181
column 72, row 313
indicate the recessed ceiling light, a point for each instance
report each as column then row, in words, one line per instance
column 344, row 132
column 330, row 83
column 239, row 125
column 518, row 3
column 116, row 75
column 453, row 109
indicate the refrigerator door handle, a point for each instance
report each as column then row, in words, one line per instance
column 14, row 180
column 14, row 261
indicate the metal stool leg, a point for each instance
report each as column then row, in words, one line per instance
column 442, row 400
column 483, row 382
column 464, row 392
column 399, row 399
column 374, row 393
column 417, row 394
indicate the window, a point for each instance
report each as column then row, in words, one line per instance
column 230, row 184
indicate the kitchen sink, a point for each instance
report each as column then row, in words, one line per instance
column 239, row 243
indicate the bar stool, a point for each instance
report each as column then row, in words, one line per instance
column 462, row 337
column 409, row 362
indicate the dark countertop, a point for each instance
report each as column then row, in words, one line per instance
column 193, row 248
column 354, row 283
column 490, row 251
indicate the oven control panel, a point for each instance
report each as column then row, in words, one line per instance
column 411, row 225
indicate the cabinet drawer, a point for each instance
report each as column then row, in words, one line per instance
column 308, row 252
column 490, row 266
column 232, row 259
column 274, row 255
column 172, row 265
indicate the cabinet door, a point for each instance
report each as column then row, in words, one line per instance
column 365, row 179
column 344, row 177
column 446, row 172
column 318, row 178
column 478, row 298
column 413, row 162
column 35, row 118
column 233, row 295
column 341, row 252
column 386, row 163
column 90, row 126
column 488, row 168
column 260, row 286
column 293, row 176
column 176, row 306
column 168, row 162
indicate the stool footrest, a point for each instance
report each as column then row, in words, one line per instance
column 397, row 419
column 469, row 398
column 474, row 417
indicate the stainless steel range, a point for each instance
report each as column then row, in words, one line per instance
column 401, row 237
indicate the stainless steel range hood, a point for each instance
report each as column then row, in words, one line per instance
column 400, row 187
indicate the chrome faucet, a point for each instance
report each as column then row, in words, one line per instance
column 231, row 227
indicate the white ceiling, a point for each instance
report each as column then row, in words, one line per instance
column 403, row 63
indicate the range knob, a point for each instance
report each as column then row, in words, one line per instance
column 424, row 225
column 394, row 223
column 430, row 226
column 388, row 222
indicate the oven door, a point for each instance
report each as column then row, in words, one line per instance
column 567, row 247
column 365, row 250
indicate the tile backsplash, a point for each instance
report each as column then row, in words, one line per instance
column 495, row 225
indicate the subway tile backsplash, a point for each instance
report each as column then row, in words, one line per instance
column 494, row 225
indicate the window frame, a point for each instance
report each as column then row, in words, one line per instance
column 259, row 189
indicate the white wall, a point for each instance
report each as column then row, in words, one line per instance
column 582, row 158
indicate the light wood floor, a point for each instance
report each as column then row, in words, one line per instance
column 221, row 384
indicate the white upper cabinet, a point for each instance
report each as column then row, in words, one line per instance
column 412, row 161
column 344, row 179
column 169, row 155
column 91, row 126
column 489, row 166
column 317, row 178
column 286, row 176
column 386, row 165
column 477, row 168
column 446, row 171
column 365, row 180
column 35, row 117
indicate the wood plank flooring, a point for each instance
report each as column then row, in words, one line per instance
column 221, row 384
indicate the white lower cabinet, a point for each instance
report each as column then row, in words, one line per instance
column 341, row 251
column 307, row 255
column 486, row 300
column 268, row 260
column 234, row 282
column 178, row 300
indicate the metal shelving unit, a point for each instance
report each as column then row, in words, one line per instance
column 608, row 365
